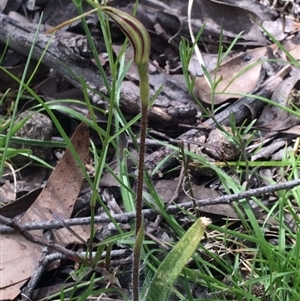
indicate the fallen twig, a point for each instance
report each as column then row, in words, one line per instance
column 125, row 217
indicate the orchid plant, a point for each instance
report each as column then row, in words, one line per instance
column 171, row 267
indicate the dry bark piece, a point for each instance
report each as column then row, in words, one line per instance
column 196, row 169
column 37, row 127
column 221, row 147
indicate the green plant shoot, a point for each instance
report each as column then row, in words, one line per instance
column 140, row 40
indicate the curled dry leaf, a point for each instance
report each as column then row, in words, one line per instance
column 7, row 6
column 277, row 119
column 256, row 8
column 293, row 47
column 240, row 75
column 219, row 14
column 2, row 5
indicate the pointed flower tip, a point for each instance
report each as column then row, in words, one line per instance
column 134, row 30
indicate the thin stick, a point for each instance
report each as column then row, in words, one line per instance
column 126, row 217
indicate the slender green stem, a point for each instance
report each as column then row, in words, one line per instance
column 140, row 182
column 144, row 95
column 140, row 40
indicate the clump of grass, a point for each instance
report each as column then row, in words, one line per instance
column 256, row 260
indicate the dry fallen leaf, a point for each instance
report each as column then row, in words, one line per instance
column 20, row 205
column 293, row 47
column 219, row 14
column 276, row 119
column 19, row 258
column 295, row 130
column 7, row 193
column 167, row 188
column 241, row 74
